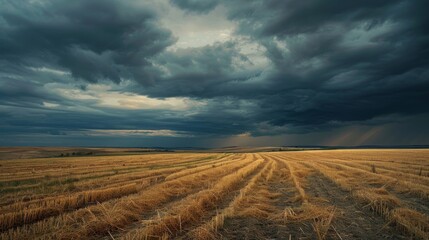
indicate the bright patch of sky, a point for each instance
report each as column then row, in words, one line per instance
column 138, row 132
column 101, row 95
column 196, row 30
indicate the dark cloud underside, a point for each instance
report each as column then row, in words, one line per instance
column 196, row 5
column 94, row 40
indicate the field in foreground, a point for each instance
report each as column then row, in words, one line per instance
column 338, row 194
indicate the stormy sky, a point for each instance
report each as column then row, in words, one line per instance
column 211, row 73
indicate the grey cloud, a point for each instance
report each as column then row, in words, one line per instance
column 341, row 62
column 298, row 17
column 92, row 39
column 331, row 65
column 197, row 6
column 196, row 72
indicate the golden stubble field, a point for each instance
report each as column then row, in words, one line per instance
column 330, row 194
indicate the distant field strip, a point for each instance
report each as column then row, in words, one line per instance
column 318, row 194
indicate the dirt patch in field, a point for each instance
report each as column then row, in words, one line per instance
column 255, row 228
column 413, row 202
column 353, row 220
column 252, row 228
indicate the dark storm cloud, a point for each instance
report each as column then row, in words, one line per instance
column 296, row 17
column 197, row 72
column 92, row 39
column 36, row 120
column 333, row 62
column 330, row 72
column 197, row 6
column 330, row 64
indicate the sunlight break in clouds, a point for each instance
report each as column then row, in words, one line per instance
column 103, row 96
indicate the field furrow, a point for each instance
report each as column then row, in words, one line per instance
column 196, row 208
column 378, row 199
column 312, row 194
column 209, row 229
column 113, row 215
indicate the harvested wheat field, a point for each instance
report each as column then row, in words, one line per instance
column 326, row 194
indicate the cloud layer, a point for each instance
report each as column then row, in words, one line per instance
column 277, row 68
